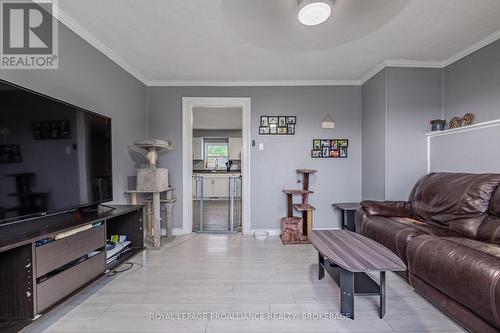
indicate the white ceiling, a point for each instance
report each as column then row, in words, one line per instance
column 217, row 118
column 196, row 41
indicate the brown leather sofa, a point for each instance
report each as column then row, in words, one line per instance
column 448, row 234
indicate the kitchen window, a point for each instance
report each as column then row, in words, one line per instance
column 217, row 154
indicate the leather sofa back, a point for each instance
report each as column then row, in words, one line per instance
column 458, row 201
column 489, row 230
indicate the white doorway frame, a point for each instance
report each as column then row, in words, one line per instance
column 188, row 103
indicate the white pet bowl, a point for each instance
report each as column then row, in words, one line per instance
column 260, row 234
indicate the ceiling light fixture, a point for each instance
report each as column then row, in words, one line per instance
column 314, row 12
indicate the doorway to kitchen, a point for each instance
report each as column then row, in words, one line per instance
column 216, row 141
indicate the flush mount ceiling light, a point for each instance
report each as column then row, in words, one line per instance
column 314, row 12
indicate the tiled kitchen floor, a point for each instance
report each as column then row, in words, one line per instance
column 233, row 274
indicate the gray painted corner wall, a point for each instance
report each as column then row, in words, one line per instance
column 398, row 104
column 373, row 128
column 472, row 84
column 273, row 169
column 414, row 97
column 90, row 80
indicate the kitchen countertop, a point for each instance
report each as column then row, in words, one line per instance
column 218, row 172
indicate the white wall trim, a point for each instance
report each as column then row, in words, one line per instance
column 188, row 103
column 432, row 64
column 97, row 44
column 473, row 48
column 209, row 83
column 100, row 46
column 473, row 127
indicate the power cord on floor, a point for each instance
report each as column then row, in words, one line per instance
column 116, row 271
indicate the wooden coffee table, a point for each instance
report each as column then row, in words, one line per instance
column 347, row 257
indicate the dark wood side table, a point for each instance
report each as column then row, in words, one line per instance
column 348, row 210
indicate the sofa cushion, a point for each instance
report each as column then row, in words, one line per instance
column 395, row 233
column 458, row 201
column 466, row 270
column 489, row 230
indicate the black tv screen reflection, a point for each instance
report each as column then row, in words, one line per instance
column 53, row 156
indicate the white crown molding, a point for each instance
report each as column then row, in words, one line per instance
column 97, row 44
column 205, row 83
column 473, row 48
column 432, row 64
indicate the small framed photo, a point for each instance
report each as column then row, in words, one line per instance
column 282, row 121
column 326, row 152
column 291, row 120
column 317, row 153
column 343, row 152
column 282, row 130
column 316, row 144
column 291, row 128
column 264, row 130
column 325, row 143
column 273, row 128
column 343, row 143
column 335, row 153
column 264, row 121
column 334, row 144
column 273, row 120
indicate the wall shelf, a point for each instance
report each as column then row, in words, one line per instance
column 472, row 127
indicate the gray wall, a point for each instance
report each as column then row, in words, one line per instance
column 398, row 104
column 274, row 168
column 414, row 97
column 89, row 79
column 374, row 119
column 472, row 84
column 478, row 145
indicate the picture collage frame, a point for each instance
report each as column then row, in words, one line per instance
column 330, row 148
column 277, row 125
column 51, row 130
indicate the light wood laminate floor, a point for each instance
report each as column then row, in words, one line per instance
column 236, row 274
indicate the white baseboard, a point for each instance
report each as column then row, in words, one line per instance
column 327, row 228
column 178, row 231
column 272, row 232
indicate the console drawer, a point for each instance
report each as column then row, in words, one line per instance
column 60, row 252
column 63, row 284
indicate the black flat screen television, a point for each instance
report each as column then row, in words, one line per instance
column 54, row 156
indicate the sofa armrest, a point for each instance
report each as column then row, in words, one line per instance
column 387, row 208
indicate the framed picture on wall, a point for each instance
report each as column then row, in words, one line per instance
column 264, row 130
column 264, row 121
column 277, row 125
column 316, row 153
column 329, row 148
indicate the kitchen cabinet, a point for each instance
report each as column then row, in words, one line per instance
column 234, row 148
column 214, row 186
column 220, row 187
column 197, row 148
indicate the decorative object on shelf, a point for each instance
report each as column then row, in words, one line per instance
column 277, row 125
column 466, row 120
column 295, row 229
column 10, row 154
column 437, row 124
column 330, row 148
column 328, row 122
column 51, row 130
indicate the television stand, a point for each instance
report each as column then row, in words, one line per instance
column 41, row 269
